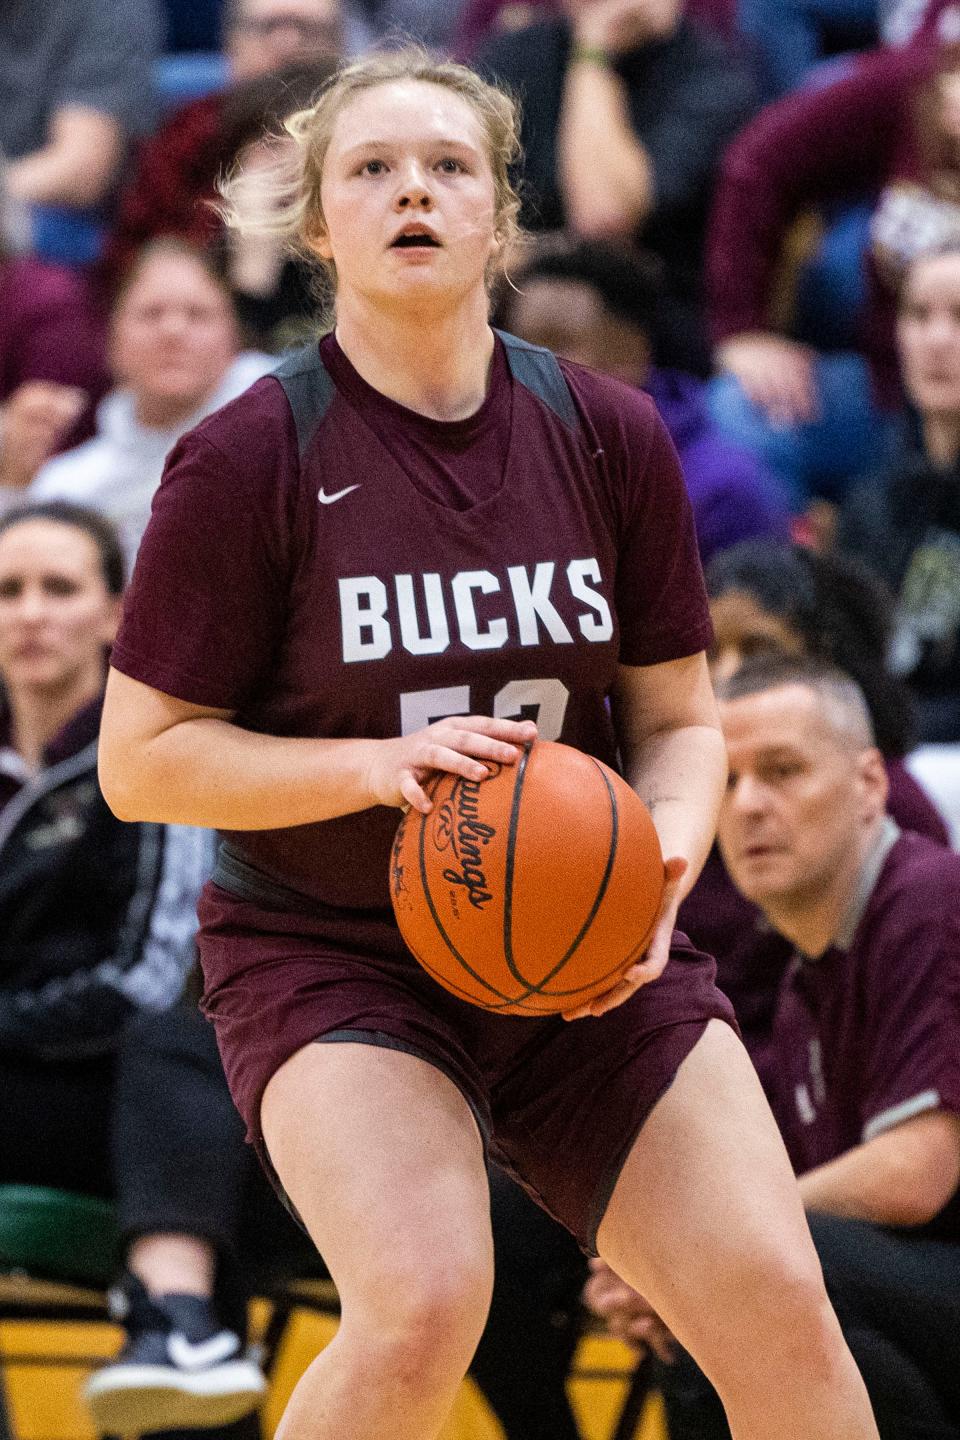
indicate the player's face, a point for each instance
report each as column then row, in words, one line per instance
column 173, row 336
column 408, row 199
column 798, row 798
column 265, row 35
column 743, row 630
column 56, row 613
column 928, row 331
column 570, row 318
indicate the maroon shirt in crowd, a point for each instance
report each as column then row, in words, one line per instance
column 867, row 1035
column 51, row 329
column 751, row 956
column 856, row 136
column 407, row 569
column 174, row 177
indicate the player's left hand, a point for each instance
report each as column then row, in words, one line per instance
column 653, row 964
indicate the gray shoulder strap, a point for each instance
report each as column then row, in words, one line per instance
column 308, row 388
column 539, row 370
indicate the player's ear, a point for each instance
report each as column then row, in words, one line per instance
column 873, row 782
column 318, row 238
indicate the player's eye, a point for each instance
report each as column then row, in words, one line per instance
column 10, row 589
column 373, row 167
column 450, row 166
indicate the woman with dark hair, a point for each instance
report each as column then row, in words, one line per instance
column 97, row 923
column 71, row 877
column 768, row 597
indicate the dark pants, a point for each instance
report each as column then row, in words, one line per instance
column 524, row 1355
column 898, row 1300
column 180, row 1163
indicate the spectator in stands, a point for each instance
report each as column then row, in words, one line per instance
column 905, row 522
column 75, row 87
column 97, row 918
column 626, row 108
column 606, row 306
column 52, row 366
column 201, row 1230
column 889, row 128
column 866, row 1039
column 110, row 1086
column 174, row 354
column 177, row 169
column 766, row 599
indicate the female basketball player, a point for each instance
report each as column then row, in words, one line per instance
column 414, row 520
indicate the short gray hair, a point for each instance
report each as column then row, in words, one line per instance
column 840, row 699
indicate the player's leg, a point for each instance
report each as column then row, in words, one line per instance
column 706, row 1221
column 381, row 1156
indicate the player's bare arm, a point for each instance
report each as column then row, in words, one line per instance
column 674, row 757
column 165, row 760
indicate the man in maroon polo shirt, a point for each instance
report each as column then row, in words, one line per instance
column 865, row 1063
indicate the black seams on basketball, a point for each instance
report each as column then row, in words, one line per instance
column 532, row 891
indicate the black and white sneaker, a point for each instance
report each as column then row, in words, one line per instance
column 179, row 1370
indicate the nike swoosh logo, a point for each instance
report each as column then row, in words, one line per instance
column 187, row 1356
column 337, row 494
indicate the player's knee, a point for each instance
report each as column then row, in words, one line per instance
column 429, row 1320
column 782, row 1299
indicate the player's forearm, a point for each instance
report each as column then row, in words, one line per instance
column 605, row 172
column 680, row 775
column 902, row 1177
column 76, row 166
column 211, row 773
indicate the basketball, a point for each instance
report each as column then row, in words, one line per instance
column 531, row 891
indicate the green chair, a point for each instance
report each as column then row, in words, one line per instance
column 58, row 1252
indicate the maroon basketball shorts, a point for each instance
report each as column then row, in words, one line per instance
column 558, row 1103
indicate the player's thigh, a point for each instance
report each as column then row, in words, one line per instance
column 381, row 1156
column 706, row 1218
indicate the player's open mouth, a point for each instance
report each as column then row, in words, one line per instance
column 414, row 239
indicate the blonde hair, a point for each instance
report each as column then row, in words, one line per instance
column 282, row 201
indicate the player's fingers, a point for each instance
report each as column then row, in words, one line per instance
column 414, row 796
column 432, row 755
column 515, row 732
column 481, row 747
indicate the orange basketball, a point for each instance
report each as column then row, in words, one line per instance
column 531, row 891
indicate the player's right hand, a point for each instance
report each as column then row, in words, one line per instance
column 457, row 746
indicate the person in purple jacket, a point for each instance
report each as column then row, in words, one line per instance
column 866, row 1037
column 374, row 566
column 607, row 306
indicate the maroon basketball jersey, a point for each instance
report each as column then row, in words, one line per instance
column 324, row 562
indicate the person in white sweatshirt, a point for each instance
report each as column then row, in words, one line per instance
column 175, row 355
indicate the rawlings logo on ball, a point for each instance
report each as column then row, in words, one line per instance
column 458, row 827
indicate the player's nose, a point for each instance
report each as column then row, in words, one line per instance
column 413, row 191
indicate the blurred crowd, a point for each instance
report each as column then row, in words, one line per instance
column 749, row 209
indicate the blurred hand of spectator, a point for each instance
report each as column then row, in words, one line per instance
column 77, row 164
column 35, row 420
column 75, row 87
column 776, row 373
column 617, row 25
column 627, row 1315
